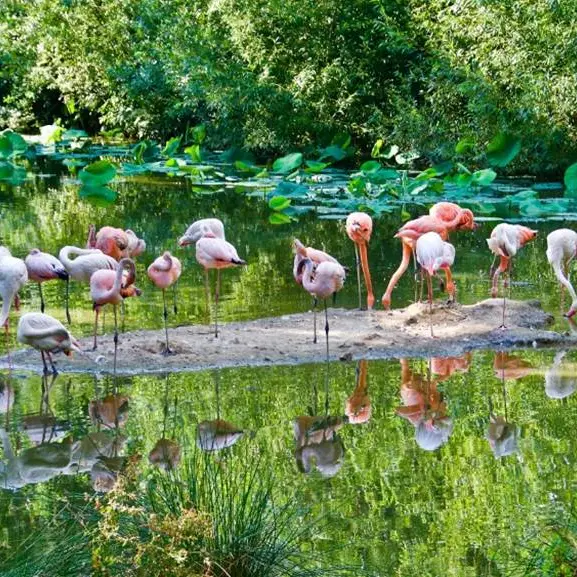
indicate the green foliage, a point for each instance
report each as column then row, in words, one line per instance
column 98, row 173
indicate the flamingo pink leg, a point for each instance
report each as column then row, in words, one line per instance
column 405, row 261
column 503, row 265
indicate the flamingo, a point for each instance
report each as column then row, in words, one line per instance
column 359, row 227
column 561, row 250
column 164, row 272
column 111, row 287
column 212, row 252
column 328, row 278
column 165, row 455
column 136, row 246
column 358, row 407
column 111, row 241
column 81, row 268
column 211, row 227
column 43, row 267
column 433, row 253
column 13, row 276
column 47, row 335
column 506, row 239
column 443, row 218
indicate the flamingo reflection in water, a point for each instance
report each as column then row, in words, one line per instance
column 424, row 408
column 358, row 407
column 560, row 378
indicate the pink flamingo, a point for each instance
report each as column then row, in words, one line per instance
column 506, row 240
column 43, row 267
column 111, row 241
column 164, row 272
column 211, row 227
column 216, row 253
column 359, row 227
column 322, row 282
column 561, row 250
column 13, row 276
column 433, row 253
column 81, row 268
column 136, row 246
column 453, row 216
column 112, row 287
column 47, row 335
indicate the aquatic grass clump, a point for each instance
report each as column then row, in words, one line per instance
column 207, row 519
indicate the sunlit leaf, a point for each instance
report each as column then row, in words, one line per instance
column 279, row 218
column 198, row 134
column 377, row 148
column 314, row 166
column 370, row 166
column 406, row 157
column 502, row 149
column 242, row 166
column 51, row 133
column 98, row 173
column 483, row 177
column 288, row 163
column 172, row 146
column 464, row 145
column 194, row 152
column 570, row 180
column 279, row 203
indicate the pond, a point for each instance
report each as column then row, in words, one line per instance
column 503, row 468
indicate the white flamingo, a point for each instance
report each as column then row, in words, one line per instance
column 561, row 250
column 13, row 276
column 212, row 227
column 81, row 268
column 47, row 335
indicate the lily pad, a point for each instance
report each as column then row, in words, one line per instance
column 288, row 163
column 98, row 195
column 98, row 173
column 502, row 149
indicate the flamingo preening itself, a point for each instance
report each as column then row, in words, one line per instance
column 13, row 276
column 164, row 272
column 433, row 254
column 506, row 240
column 47, row 335
column 359, row 227
column 43, row 267
column 211, row 227
column 561, row 250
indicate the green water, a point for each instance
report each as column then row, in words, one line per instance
column 388, row 506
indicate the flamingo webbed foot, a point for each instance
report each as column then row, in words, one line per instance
column 167, row 352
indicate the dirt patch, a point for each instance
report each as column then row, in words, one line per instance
column 288, row 339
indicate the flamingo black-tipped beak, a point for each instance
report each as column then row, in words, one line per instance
column 62, row 275
column 183, row 241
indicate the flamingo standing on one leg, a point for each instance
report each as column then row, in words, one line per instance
column 164, row 272
column 317, row 256
column 111, row 241
column 359, row 227
column 443, row 218
column 506, row 239
column 47, row 335
column 322, row 282
column 433, row 253
column 13, row 276
column 111, row 287
column 81, row 268
column 561, row 250
column 43, row 267
column 216, row 253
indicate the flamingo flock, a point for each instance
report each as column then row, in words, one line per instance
column 106, row 263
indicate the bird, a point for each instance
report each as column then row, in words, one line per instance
column 43, row 267
column 216, row 435
column 211, row 227
column 216, row 253
column 322, row 282
column 453, row 216
column 433, row 254
column 359, row 227
column 561, row 250
column 47, row 335
column 111, row 287
column 358, row 406
column 81, row 268
column 13, row 276
column 111, row 241
column 164, row 272
column 443, row 218
column 506, row 240
column 136, row 246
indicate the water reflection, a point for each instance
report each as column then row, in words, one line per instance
column 358, row 407
column 509, row 366
column 166, row 452
column 111, row 411
column 560, row 378
column 424, row 407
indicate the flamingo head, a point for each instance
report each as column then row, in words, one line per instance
column 467, row 221
column 299, row 248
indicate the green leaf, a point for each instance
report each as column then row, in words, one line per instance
column 98, row 173
column 377, row 148
column 194, row 152
column 51, row 133
column 74, row 134
column 570, row 180
column 483, row 177
column 382, row 175
column 342, row 140
column 242, row 166
column 5, row 148
column 279, row 218
column 288, row 163
column 314, row 166
column 98, row 195
column 393, row 150
column 145, row 151
column 335, row 152
column 172, row 146
column 406, row 157
column 198, row 134
column 291, row 190
column 19, row 145
column 464, row 145
column 370, row 166
column 503, row 149
column 279, row 203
